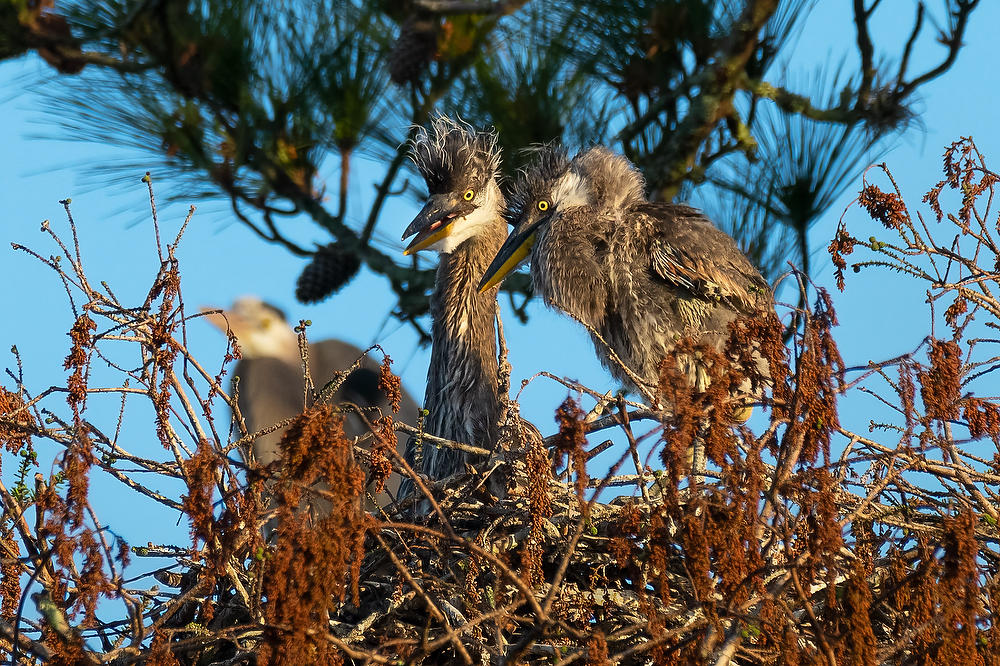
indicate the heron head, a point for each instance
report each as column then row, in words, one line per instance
column 261, row 329
column 545, row 188
column 460, row 166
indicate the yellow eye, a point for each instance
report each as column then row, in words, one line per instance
column 468, row 195
column 543, row 205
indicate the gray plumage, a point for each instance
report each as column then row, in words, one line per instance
column 462, row 220
column 640, row 274
column 271, row 382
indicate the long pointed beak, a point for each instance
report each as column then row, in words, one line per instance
column 215, row 317
column 435, row 221
column 225, row 321
column 513, row 251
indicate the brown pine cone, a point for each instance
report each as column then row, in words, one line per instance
column 330, row 269
column 414, row 48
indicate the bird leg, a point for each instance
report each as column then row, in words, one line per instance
column 697, row 459
column 633, row 448
column 607, row 400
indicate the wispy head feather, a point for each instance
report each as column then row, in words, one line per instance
column 549, row 162
column 453, row 155
column 613, row 181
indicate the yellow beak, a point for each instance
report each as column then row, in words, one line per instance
column 427, row 238
column 495, row 274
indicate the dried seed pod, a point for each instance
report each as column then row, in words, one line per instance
column 330, row 269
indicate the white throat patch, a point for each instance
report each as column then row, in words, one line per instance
column 277, row 341
column 464, row 228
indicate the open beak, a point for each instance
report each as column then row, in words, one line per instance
column 435, row 221
column 513, row 251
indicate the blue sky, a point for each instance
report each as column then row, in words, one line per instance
column 881, row 316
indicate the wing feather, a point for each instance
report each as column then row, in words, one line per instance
column 688, row 251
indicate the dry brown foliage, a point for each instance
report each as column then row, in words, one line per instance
column 807, row 541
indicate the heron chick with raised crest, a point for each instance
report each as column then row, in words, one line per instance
column 462, row 220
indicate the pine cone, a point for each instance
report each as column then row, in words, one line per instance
column 330, row 269
column 414, row 48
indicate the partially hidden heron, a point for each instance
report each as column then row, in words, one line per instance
column 270, row 377
column 461, row 219
column 639, row 274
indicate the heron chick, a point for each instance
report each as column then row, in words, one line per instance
column 639, row 274
column 461, row 219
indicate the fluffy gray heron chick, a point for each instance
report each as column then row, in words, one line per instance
column 641, row 274
column 462, row 219
column 270, row 379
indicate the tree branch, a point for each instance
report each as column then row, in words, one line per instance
column 718, row 84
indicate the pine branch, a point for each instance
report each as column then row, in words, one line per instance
column 718, row 85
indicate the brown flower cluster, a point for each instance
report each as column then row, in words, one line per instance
column 941, row 384
column 199, row 472
column 16, row 422
column 70, row 549
column 623, row 539
column 317, row 551
column 162, row 346
column 689, row 408
column 841, row 246
column 812, row 404
column 77, row 361
column 571, row 441
column 960, row 592
column 389, row 384
column 859, row 644
column 754, row 358
column 10, row 575
column 886, row 207
column 160, row 653
column 79, row 455
column 539, row 473
column 982, row 417
column 965, row 172
column 958, row 308
column 597, row 649
column 381, row 453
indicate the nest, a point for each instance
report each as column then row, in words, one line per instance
column 466, row 575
